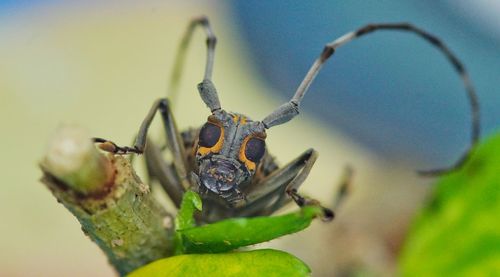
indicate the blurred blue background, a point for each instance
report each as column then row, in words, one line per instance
column 390, row 90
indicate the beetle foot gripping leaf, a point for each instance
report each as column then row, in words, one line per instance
column 326, row 214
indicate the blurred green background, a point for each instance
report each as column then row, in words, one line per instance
column 101, row 64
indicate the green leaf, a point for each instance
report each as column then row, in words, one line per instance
column 230, row 234
column 191, row 202
column 265, row 262
column 458, row 233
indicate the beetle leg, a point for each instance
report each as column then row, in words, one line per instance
column 344, row 187
column 274, row 191
column 164, row 173
column 110, row 146
column 282, row 176
column 268, row 204
column 173, row 138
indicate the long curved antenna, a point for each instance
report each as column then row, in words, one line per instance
column 207, row 89
column 289, row 110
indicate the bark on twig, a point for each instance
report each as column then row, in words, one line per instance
column 116, row 210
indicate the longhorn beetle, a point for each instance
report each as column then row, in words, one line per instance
column 226, row 160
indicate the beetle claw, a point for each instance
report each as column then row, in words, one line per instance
column 302, row 201
column 111, row 147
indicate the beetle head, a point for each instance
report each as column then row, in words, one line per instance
column 228, row 152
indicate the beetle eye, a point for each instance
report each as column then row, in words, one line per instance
column 209, row 135
column 255, row 149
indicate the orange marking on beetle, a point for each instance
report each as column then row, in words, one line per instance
column 243, row 158
column 217, row 147
column 243, row 120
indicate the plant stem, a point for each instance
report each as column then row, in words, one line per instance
column 116, row 210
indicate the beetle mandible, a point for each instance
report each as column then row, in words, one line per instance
column 226, row 160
